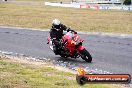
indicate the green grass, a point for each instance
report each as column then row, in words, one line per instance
column 20, row 75
column 37, row 15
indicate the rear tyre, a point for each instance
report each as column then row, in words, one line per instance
column 85, row 55
column 63, row 56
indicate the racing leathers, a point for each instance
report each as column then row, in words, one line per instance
column 56, row 33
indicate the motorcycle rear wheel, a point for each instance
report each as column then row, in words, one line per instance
column 85, row 55
column 63, row 56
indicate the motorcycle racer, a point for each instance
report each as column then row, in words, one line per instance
column 56, row 33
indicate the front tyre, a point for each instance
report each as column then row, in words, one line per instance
column 85, row 55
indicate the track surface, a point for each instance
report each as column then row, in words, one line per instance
column 112, row 54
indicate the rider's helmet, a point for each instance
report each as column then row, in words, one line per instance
column 56, row 23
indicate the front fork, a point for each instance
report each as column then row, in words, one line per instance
column 79, row 49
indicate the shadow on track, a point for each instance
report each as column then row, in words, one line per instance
column 71, row 60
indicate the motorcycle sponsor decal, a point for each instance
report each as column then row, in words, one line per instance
column 83, row 78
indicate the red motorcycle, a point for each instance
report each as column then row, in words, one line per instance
column 71, row 46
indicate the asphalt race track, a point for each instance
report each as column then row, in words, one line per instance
column 110, row 54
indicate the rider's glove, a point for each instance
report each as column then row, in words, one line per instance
column 75, row 32
column 71, row 30
column 68, row 29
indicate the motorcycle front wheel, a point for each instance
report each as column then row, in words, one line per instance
column 85, row 55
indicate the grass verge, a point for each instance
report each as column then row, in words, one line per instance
column 28, row 74
column 34, row 14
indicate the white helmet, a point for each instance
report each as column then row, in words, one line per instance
column 56, row 22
